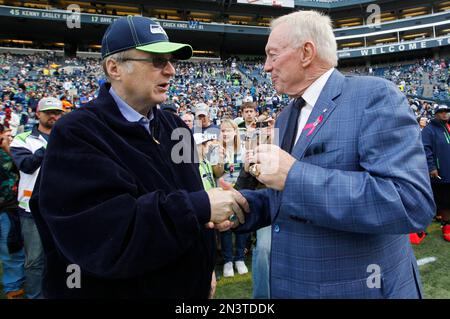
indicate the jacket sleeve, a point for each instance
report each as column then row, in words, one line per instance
column 390, row 194
column 99, row 219
column 259, row 215
column 25, row 160
column 246, row 181
column 427, row 140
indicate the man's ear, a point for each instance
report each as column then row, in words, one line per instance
column 308, row 53
column 113, row 68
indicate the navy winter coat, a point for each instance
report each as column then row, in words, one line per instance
column 111, row 201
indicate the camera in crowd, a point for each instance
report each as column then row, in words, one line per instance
column 259, row 133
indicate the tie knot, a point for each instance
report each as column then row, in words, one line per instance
column 299, row 102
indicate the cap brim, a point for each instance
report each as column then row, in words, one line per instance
column 51, row 109
column 179, row 51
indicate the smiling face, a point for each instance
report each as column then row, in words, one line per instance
column 283, row 62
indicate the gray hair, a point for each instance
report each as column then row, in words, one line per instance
column 189, row 114
column 311, row 26
column 119, row 56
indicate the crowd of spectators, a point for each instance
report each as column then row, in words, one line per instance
column 223, row 85
column 415, row 78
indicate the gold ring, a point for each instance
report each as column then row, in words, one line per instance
column 254, row 170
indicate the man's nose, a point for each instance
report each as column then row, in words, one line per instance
column 169, row 69
column 267, row 66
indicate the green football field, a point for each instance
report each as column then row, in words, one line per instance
column 435, row 275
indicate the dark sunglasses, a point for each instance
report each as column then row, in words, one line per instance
column 158, row 62
column 52, row 112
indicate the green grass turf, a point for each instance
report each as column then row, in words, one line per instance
column 435, row 276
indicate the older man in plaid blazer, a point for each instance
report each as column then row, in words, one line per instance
column 354, row 184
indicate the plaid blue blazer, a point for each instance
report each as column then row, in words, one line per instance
column 359, row 186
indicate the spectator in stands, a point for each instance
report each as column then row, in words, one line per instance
column 436, row 141
column 27, row 151
column 248, row 97
column 32, row 120
column 11, row 252
column 203, row 121
column 423, row 121
column 67, row 106
column 231, row 143
column 262, row 129
column 427, row 110
column 248, row 110
column 208, row 180
column 340, row 199
column 136, row 223
column 33, row 101
column 169, row 107
column 188, row 118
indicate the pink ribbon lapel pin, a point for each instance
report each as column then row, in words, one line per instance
column 312, row 126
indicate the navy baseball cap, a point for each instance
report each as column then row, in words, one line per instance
column 142, row 34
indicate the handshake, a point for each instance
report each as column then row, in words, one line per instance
column 227, row 207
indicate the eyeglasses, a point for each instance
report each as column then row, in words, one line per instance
column 53, row 112
column 158, row 62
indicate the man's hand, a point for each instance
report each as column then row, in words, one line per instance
column 212, row 291
column 272, row 165
column 225, row 203
column 435, row 174
column 227, row 224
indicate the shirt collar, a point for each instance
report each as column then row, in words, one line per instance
column 312, row 93
column 130, row 114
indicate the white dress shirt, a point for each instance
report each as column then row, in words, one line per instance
column 311, row 96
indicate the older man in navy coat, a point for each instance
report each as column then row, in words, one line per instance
column 114, row 208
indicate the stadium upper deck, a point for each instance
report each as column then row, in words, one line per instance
column 226, row 27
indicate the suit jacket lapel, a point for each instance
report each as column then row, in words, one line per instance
column 325, row 105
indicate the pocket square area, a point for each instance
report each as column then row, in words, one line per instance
column 314, row 149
